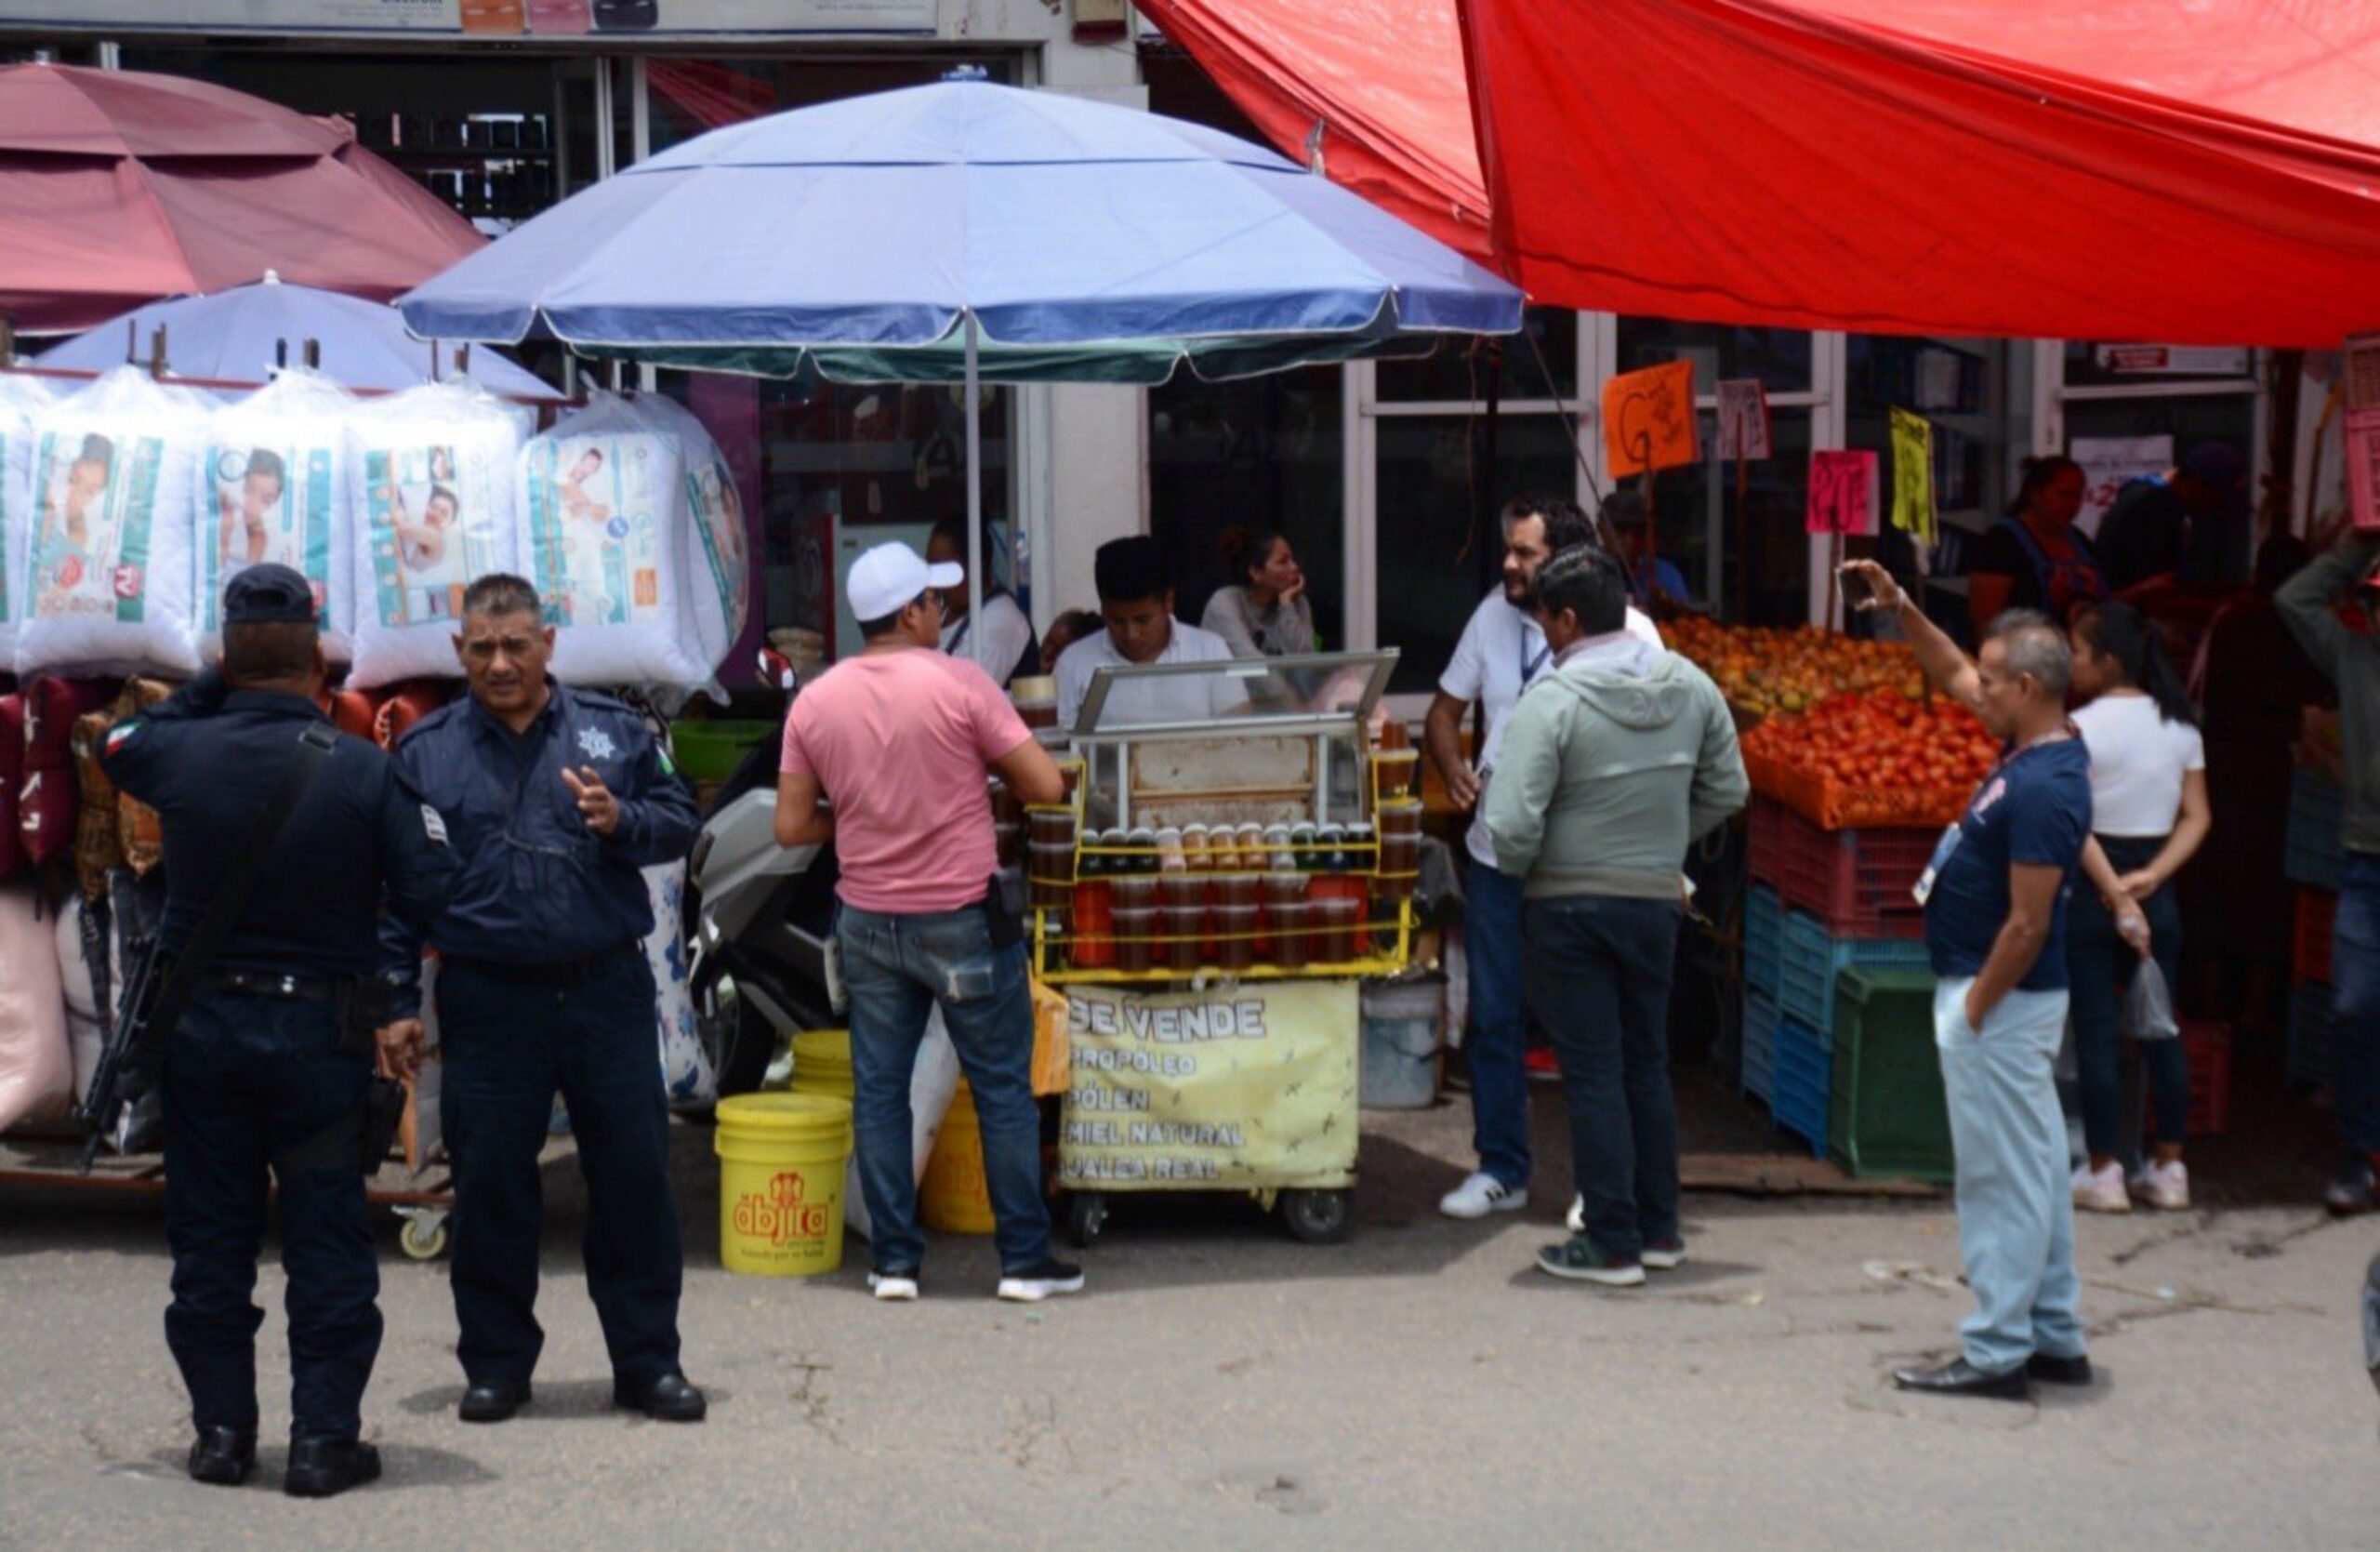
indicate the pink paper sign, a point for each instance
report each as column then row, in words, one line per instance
column 1843, row 493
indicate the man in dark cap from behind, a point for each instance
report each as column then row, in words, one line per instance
column 267, row 1070
column 2177, row 526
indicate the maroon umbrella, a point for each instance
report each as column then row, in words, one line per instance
column 118, row 187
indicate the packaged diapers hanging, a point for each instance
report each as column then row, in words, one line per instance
column 273, row 488
column 603, row 507
column 111, row 565
column 430, row 480
column 716, row 557
column 23, row 401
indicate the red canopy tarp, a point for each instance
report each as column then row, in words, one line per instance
column 2186, row 170
column 118, row 188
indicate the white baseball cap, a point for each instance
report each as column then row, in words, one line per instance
column 888, row 578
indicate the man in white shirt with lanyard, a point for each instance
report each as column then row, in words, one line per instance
column 1501, row 651
column 1009, row 650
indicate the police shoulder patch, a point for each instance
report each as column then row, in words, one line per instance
column 120, row 733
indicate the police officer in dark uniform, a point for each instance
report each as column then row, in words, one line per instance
column 554, row 800
column 266, row 1071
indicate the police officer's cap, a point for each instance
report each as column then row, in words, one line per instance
column 268, row 595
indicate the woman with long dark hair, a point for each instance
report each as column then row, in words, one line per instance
column 2035, row 557
column 1262, row 611
column 2149, row 814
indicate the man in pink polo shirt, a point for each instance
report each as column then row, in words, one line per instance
column 898, row 739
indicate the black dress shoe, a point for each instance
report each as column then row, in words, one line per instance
column 320, row 1468
column 1961, row 1378
column 492, row 1403
column 222, row 1456
column 2053, row 1370
column 668, row 1398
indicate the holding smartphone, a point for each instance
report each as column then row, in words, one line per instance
column 1859, row 590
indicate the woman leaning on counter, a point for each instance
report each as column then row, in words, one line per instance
column 1261, row 612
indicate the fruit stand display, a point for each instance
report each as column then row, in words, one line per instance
column 1766, row 672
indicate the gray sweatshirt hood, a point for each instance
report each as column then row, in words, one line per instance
column 1654, row 697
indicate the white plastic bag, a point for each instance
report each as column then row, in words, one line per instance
column 602, row 503
column 22, row 403
column 110, row 568
column 686, row 1072
column 933, row 1082
column 2148, row 1006
column 273, row 488
column 84, row 1033
column 431, row 482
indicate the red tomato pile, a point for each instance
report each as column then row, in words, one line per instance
column 1874, row 759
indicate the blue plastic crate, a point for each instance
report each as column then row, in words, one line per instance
column 2317, row 851
column 1801, row 1084
column 1760, row 1045
column 1763, row 924
column 2311, row 1020
column 1810, row 959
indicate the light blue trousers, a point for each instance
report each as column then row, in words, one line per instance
column 2015, row 1202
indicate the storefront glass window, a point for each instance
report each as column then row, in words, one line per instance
column 1977, row 395
column 1697, row 513
column 1463, row 367
column 1262, row 453
column 1436, row 550
column 1780, row 358
column 2144, row 435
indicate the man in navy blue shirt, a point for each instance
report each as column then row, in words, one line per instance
column 554, row 800
column 263, row 1072
column 1995, row 929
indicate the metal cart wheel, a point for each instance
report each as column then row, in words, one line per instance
column 1086, row 1218
column 423, row 1236
column 1318, row 1217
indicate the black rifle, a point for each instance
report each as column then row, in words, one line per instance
column 158, row 990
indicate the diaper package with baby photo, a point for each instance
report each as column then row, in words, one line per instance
column 111, row 572
column 273, row 488
column 22, row 400
column 716, row 554
column 430, row 480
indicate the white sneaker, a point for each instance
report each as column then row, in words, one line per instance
column 1481, row 1195
column 891, row 1287
column 1575, row 1220
column 2101, row 1190
column 2166, row 1186
column 1046, row 1280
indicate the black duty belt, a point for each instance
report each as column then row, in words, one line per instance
column 266, row 982
column 563, row 972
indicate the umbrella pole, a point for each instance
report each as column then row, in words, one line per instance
column 975, row 632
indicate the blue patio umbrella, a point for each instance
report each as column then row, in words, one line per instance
column 964, row 233
column 240, row 335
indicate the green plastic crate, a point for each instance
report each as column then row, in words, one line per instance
column 1887, row 1115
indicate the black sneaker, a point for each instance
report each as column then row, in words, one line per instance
column 2353, row 1189
column 1036, row 1283
column 222, row 1457
column 320, row 1468
column 1579, row 1259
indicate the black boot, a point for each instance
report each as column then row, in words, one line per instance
column 223, row 1457
column 321, row 1468
column 666, row 1398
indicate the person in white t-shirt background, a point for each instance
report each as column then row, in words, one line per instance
column 1009, row 650
column 1502, row 649
column 1136, row 603
column 2148, row 814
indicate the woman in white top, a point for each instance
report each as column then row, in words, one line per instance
column 1262, row 611
column 2149, row 814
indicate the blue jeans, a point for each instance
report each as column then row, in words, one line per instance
column 249, row 1082
column 1496, row 1044
column 897, row 968
column 2355, row 984
column 2015, row 1203
column 2099, row 968
column 1599, row 977
column 511, row 1044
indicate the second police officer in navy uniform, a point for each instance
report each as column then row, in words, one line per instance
column 554, row 798
column 267, row 1071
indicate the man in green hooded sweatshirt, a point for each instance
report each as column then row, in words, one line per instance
column 1612, row 766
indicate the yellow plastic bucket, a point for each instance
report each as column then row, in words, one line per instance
column 822, row 1063
column 954, row 1197
column 781, row 1162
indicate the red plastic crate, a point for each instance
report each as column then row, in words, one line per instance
column 1858, row 882
column 2206, row 1045
column 2309, row 956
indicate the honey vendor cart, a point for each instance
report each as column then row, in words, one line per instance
column 1233, row 860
